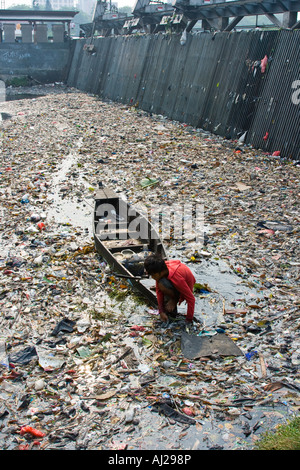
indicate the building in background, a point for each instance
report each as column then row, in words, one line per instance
column 59, row 4
column 56, row 4
column 86, row 6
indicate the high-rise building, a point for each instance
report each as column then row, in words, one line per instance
column 59, row 4
column 87, row 6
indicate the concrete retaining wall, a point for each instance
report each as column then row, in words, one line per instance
column 215, row 82
column 45, row 63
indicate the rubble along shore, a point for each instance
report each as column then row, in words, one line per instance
column 73, row 365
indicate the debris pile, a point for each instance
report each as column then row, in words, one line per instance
column 85, row 363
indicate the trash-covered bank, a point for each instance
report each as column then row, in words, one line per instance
column 85, row 362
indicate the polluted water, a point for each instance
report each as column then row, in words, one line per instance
column 85, row 362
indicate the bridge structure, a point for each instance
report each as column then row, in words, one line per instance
column 152, row 16
column 33, row 25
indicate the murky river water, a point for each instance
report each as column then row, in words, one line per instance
column 219, row 430
column 222, row 425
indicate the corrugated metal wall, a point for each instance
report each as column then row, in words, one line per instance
column 278, row 110
column 213, row 81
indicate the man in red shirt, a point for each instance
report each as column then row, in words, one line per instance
column 174, row 284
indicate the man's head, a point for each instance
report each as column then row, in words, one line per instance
column 156, row 267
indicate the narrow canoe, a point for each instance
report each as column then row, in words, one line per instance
column 124, row 237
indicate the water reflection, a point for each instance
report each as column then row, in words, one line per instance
column 22, row 96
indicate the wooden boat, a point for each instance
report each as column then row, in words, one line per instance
column 124, row 238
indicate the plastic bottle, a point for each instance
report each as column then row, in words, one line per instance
column 145, row 251
column 34, row 432
column 35, row 218
column 25, row 199
column 41, row 226
column 3, row 356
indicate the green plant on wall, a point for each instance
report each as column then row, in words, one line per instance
column 18, row 81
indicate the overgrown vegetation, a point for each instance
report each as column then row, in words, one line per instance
column 285, row 437
column 18, row 82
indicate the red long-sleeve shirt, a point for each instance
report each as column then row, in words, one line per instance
column 183, row 280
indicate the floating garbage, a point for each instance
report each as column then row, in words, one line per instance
column 3, row 355
column 166, row 409
column 24, row 356
column 194, row 347
column 83, row 359
column 49, row 361
column 64, row 326
column 34, row 432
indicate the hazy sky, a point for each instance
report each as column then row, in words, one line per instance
column 10, row 3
